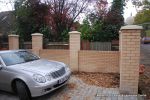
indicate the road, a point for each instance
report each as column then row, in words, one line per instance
column 145, row 54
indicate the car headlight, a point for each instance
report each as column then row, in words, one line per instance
column 48, row 77
column 67, row 68
column 39, row 78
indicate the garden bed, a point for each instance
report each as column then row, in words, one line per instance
column 107, row 80
column 144, row 83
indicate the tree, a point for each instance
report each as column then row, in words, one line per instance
column 137, row 4
column 102, row 8
column 29, row 17
column 6, row 3
column 97, row 22
column 146, row 4
column 143, row 15
column 85, row 30
column 115, row 14
column 55, row 16
column 62, row 14
column 114, row 18
column 97, row 31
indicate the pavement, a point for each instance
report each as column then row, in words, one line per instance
column 145, row 54
column 145, row 58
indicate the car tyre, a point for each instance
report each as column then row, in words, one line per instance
column 22, row 91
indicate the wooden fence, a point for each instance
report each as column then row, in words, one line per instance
column 100, row 46
column 85, row 45
column 57, row 45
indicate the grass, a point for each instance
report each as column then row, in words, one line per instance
column 148, row 33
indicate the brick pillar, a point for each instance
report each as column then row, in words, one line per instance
column 74, row 48
column 37, row 43
column 129, row 58
column 13, row 42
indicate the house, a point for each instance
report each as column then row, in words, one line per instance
column 6, row 22
column 6, row 26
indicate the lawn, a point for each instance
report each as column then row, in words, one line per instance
column 148, row 33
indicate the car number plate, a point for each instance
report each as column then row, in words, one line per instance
column 62, row 80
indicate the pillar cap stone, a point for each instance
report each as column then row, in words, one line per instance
column 13, row 35
column 131, row 27
column 37, row 34
column 74, row 32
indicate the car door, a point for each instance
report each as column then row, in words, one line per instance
column 5, row 82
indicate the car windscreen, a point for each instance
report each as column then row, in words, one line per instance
column 12, row 58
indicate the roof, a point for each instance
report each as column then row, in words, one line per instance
column 6, row 21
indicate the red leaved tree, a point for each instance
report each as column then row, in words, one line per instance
column 102, row 8
column 62, row 14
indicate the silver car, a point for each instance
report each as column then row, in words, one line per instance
column 28, row 75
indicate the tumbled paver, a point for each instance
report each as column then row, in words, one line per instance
column 81, row 91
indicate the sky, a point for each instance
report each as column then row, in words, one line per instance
column 128, row 11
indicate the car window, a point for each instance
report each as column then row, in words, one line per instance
column 0, row 63
column 12, row 58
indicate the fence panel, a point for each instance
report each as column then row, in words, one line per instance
column 27, row 45
column 4, row 46
column 101, row 46
column 57, row 45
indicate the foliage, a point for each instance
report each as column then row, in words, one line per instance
column 57, row 16
column 97, row 31
column 102, row 32
column 142, row 17
column 114, row 19
column 85, row 30
column 29, row 17
column 46, row 34
column 115, row 14
column 102, row 8
column 146, row 4
column 148, row 33
column 106, row 22
column 62, row 14
column 144, row 14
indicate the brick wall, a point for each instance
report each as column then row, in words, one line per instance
column 129, row 59
column 58, row 55
column 13, row 42
column 89, row 61
column 37, row 42
column 74, row 45
column 99, row 61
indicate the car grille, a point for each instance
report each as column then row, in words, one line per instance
column 58, row 73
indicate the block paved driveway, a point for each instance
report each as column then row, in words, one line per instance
column 78, row 90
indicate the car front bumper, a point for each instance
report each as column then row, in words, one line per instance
column 43, row 89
